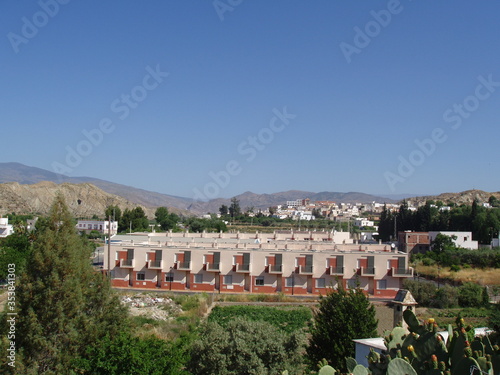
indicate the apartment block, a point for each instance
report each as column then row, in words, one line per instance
column 254, row 263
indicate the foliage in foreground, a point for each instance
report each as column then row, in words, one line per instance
column 423, row 351
column 342, row 316
column 246, row 347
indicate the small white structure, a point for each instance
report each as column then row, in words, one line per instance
column 99, row 225
column 6, row 229
column 464, row 239
column 363, row 222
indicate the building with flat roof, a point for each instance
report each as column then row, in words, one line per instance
column 413, row 242
column 295, row 263
column 6, row 229
column 99, row 225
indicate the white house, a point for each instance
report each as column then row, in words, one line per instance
column 99, row 225
column 6, row 229
column 463, row 239
column 363, row 222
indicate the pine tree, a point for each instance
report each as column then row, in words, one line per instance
column 64, row 306
column 342, row 316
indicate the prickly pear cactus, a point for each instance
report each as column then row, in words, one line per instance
column 327, row 370
column 399, row 366
column 360, row 370
column 350, row 364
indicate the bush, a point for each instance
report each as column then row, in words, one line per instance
column 455, row 268
column 423, row 292
column 446, row 297
column 245, row 347
column 470, row 295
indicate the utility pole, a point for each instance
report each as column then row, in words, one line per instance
column 109, row 246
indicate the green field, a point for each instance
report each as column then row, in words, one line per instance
column 288, row 319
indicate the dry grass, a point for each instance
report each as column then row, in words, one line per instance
column 486, row 276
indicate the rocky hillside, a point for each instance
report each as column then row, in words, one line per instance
column 464, row 197
column 83, row 200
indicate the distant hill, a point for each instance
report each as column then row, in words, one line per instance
column 262, row 201
column 16, row 172
column 464, row 197
column 22, row 174
column 83, row 200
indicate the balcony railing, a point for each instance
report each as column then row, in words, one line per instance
column 337, row 271
column 243, row 268
column 126, row 263
column 305, row 270
column 213, row 267
column 184, row 266
column 155, row 264
column 367, row 271
column 278, row 269
column 402, row 272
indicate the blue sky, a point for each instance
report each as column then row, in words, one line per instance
column 382, row 97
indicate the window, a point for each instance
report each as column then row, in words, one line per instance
column 198, row 278
column 289, row 282
column 381, row 284
column 320, row 283
column 228, row 279
column 259, row 281
column 352, row 284
column 169, row 277
column 141, row 276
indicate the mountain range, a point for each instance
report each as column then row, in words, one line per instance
column 25, row 175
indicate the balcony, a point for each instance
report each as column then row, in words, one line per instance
column 402, row 272
column 155, row 264
column 243, row 268
column 367, row 271
column 276, row 269
column 339, row 271
column 184, row 266
column 126, row 263
column 305, row 270
column 214, row 267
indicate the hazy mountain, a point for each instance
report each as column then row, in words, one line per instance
column 83, row 200
column 22, row 174
column 16, row 172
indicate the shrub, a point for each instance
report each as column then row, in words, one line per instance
column 470, row 295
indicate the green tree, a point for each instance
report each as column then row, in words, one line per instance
column 165, row 219
column 234, row 208
column 224, row 210
column 246, row 347
column 14, row 249
column 342, row 316
column 134, row 219
column 113, row 212
column 442, row 242
column 63, row 306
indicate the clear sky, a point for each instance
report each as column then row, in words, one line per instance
column 215, row 98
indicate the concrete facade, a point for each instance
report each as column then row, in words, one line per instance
column 464, row 239
column 295, row 263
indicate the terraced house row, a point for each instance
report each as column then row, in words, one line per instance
column 298, row 263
